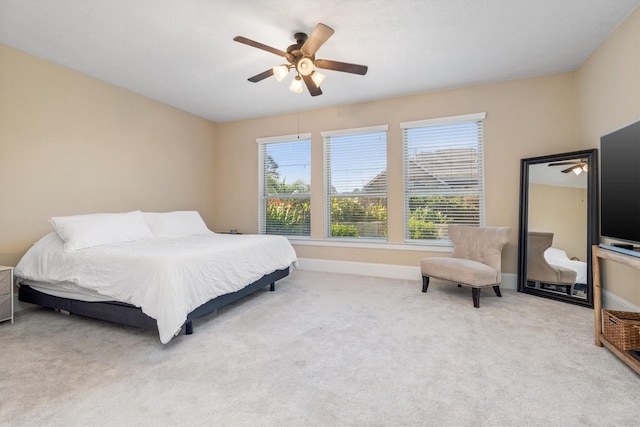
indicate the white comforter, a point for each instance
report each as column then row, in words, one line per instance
column 166, row 277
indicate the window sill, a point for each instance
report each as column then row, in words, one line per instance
column 337, row 243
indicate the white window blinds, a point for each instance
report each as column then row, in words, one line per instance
column 356, row 183
column 443, row 175
column 285, row 186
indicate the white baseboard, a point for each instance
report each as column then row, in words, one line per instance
column 360, row 268
column 401, row 272
column 611, row 301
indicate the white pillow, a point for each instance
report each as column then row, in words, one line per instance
column 86, row 231
column 554, row 253
column 176, row 224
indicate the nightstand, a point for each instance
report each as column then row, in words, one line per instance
column 6, row 293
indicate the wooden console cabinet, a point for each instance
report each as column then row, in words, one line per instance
column 628, row 260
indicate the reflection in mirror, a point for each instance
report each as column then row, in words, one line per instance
column 557, row 226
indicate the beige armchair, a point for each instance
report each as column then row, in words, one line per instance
column 539, row 271
column 475, row 262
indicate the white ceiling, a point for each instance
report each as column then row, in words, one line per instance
column 182, row 53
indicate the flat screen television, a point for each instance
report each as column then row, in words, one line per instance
column 620, row 186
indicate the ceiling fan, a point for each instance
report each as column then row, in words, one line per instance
column 575, row 166
column 301, row 57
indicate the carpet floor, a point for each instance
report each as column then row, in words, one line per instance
column 324, row 350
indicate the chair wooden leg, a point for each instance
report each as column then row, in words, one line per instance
column 496, row 289
column 475, row 293
column 425, row 283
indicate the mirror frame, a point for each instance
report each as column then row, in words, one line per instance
column 593, row 223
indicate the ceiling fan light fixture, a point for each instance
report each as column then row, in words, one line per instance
column 305, row 66
column 280, row 72
column 317, row 78
column 577, row 170
column 296, row 85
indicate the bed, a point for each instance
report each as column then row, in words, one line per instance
column 152, row 270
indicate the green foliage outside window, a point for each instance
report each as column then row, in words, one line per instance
column 358, row 217
column 289, row 211
column 288, row 204
column 288, row 216
column 342, row 230
column 422, row 223
column 427, row 220
column 429, row 215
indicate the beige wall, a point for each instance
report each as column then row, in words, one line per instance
column 608, row 86
column 525, row 118
column 70, row 144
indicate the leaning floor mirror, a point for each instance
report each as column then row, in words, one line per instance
column 558, row 225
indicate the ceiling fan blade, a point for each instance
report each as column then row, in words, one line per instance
column 320, row 35
column 564, row 163
column 313, row 89
column 263, row 75
column 259, row 45
column 342, row 66
column 567, row 170
column 580, row 162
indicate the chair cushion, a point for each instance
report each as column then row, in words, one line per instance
column 565, row 275
column 463, row 271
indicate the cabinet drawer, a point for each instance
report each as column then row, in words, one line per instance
column 5, row 307
column 5, row 282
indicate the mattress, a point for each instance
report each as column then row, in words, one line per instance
column 66, row 290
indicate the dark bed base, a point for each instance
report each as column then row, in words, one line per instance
column 127, row 314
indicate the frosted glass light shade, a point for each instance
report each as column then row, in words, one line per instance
column 280, row 72
column 317, row 78
column 296, row 85
column 305, row 66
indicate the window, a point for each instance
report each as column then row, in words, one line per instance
column 443, row 175
column 356, row 183
column 285, row 185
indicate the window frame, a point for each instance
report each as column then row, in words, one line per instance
column 326, row 141
column 263, row 195
column 452, row 120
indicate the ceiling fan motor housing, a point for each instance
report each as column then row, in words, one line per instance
column 300, row 38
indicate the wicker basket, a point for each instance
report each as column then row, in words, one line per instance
column 621, row 329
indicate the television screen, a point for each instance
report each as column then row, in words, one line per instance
column 620, row 184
